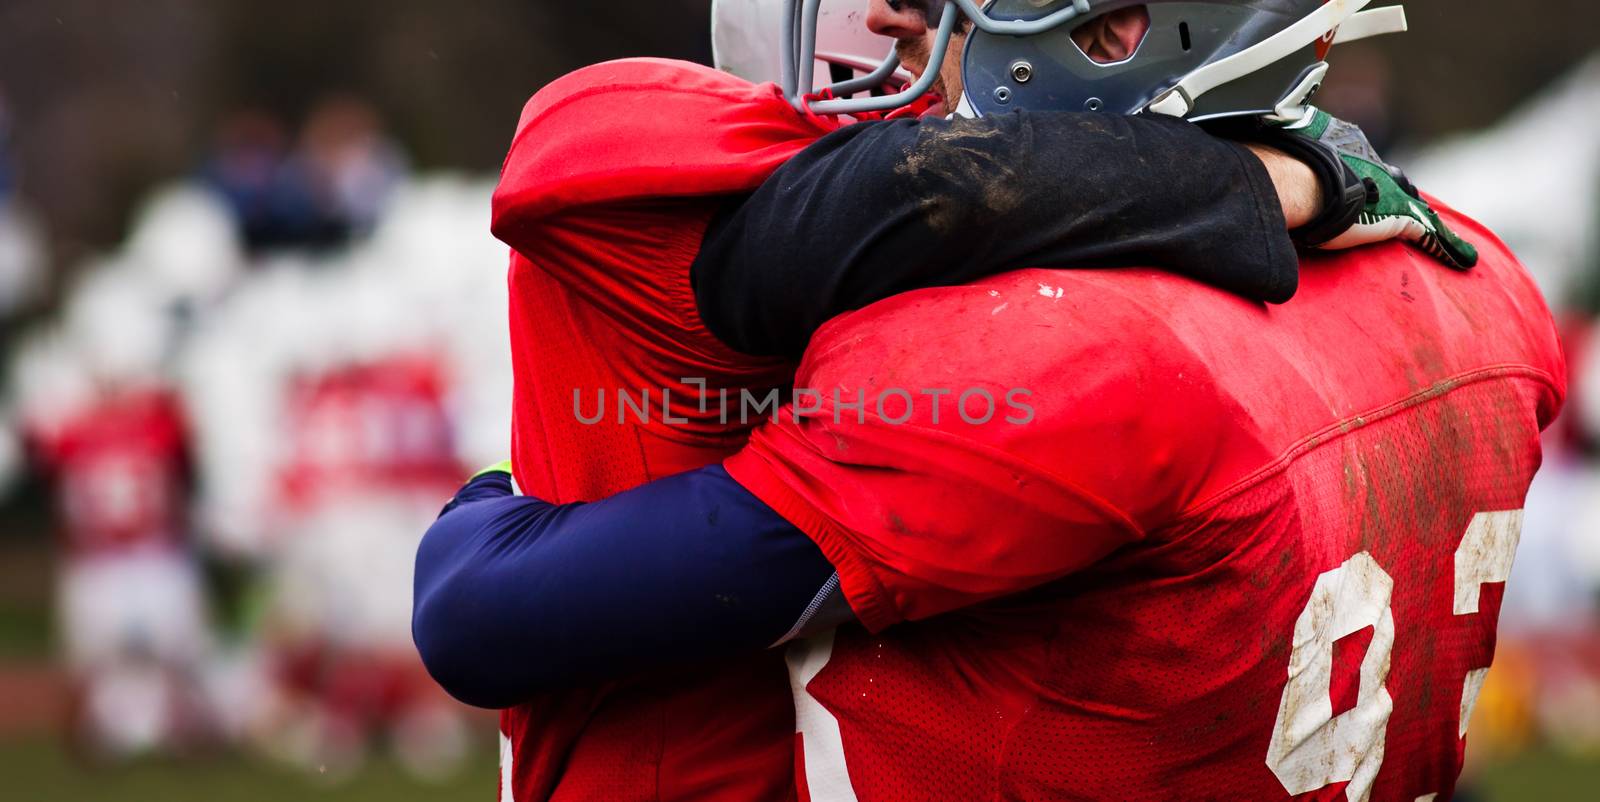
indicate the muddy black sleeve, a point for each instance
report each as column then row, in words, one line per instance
column 883, row 207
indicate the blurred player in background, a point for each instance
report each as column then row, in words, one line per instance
column 327, row 410
column 110, row 434
column 370, row 448
column 338, row 388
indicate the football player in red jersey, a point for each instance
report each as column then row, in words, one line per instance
column 104, row 424
column 368, row 445
column 644, row 254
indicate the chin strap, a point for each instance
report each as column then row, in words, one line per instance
column 1373, row 22
column 1376, row 22
column 1327, row 22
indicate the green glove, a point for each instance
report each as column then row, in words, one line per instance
column 1395, row 209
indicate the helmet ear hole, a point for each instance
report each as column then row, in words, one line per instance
column 1183, row 37
column 1114, row 37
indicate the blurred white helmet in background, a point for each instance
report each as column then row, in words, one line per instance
column 186, row 242
column 747, row 37
column 48, row 382
column 121, row 328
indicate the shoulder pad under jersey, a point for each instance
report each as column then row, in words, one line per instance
column 642, row 128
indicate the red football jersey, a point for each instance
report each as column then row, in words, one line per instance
column 121, row 472
column 1247, row 552
column 615, row 172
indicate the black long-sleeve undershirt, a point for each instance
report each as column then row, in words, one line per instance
column 883, row 207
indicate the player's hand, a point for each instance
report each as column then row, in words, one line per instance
column 1394, row 208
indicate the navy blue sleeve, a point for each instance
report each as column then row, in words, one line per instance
column 515, row 596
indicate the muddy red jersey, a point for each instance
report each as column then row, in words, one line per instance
column 1245, row 552
column 121, row 472
column 615, row 173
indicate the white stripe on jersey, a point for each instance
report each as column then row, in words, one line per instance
column 827, row 775
column 506, row 794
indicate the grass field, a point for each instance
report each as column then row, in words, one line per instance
column 36, row 771
column 1541, row 776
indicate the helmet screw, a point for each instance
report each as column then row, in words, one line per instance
column 1094, row 104
column 1002, row 95
column 1022, row 72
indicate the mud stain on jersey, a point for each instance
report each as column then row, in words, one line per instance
column 951, row 153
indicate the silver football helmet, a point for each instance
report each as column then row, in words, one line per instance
column 1200, row 59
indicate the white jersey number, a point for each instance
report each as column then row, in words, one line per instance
column 1311, row 748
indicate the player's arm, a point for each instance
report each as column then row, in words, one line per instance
column 875, row 209
column 515, row 596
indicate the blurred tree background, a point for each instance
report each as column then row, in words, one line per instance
column 111, row 98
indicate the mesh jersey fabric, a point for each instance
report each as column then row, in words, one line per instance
column 613, row 176
column 1244, row 552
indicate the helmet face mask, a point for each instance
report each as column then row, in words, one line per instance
column 747, row 40
column 1200, row 59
